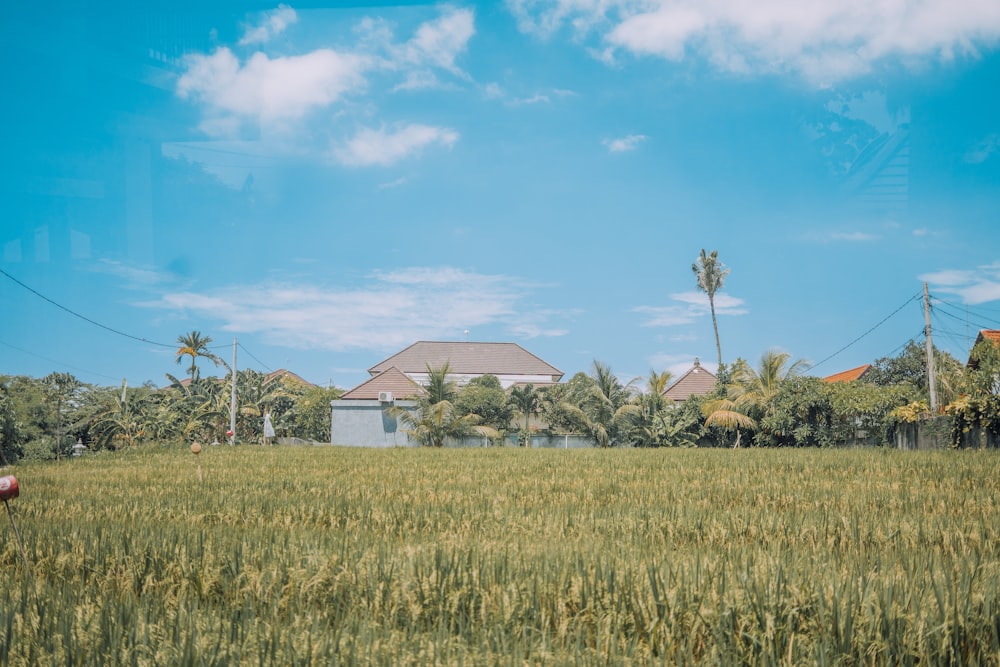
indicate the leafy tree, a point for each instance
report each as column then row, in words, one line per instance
column 598, row 405
column 978, row 408
column 710, row 275
column 11, row 436
column 861, row 408
column 62, row 391
column 195, row 345
column 484, row 396
column 435, row 424
column 527, row 401
column 801, row 414
column 750, row 399
column 437, row 419
column 310, row 418
column 909, row 367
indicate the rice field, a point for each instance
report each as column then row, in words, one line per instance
column 303, row 556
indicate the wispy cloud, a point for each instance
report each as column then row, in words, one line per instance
column 853, row 237
column 270, row 24
column 133, row 277
column 678, row 364
column 384, row 147
column 983, row 149
column 823, row 41
column 391, row 311
column 690, row 308
column 973, row 286
column 624, row 144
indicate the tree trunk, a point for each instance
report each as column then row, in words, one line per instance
column 715, row 328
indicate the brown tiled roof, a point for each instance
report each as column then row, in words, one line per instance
column 289, row 376
column 464, row 358
column 696, row 382
column 392, row 379
column 848, row 376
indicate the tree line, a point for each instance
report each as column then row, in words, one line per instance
column 43, row 418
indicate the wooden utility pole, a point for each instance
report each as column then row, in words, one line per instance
column 930, row 351
column 232, row 401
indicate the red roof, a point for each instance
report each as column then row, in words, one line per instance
column 848, row 376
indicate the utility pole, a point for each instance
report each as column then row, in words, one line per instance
column 232, row 401
column 930, row 351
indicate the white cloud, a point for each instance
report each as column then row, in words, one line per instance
column 381, row 147
column 821, row 40
column 272, row 23
column 438, row 42
column 392, row 311
column 694, row 305
column 854, row 237
column 624, row 144
column 974, row 287
column 282, row 88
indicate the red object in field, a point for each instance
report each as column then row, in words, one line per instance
column 8, row 488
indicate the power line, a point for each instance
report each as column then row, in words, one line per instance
column 886, row 319
column 964, row 316
column 250, row 354
column 56, row 362
column 83, row 317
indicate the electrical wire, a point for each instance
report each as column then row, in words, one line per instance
column 83, row 317
column 884, row 320
column 250, row 354
column 56, row 362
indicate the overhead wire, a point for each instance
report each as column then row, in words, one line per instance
column 84, row 317
column 883, row 321
column 56, row 362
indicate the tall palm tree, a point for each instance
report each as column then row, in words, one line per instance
column 711, row 274
column 195, row 345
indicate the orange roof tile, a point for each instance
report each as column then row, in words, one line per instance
column 848, row 376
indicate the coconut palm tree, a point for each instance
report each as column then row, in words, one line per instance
column 195, row 345
column 528, row 402
column 750, row 399
column 598, row 405
column 710, row 274
column 437, row 419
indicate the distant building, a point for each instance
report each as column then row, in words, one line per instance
column 697, row 381
column 360, row 416
column 848, row 376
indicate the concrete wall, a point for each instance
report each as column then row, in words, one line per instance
column 368, row 424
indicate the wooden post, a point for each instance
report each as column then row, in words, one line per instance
column 930, row 352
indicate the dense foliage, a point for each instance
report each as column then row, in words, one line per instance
column 773, row 404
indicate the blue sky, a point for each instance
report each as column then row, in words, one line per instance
column 328, row 183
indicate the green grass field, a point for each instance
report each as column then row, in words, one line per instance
column 324, row 555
